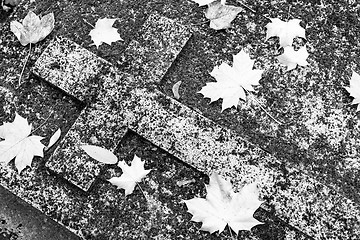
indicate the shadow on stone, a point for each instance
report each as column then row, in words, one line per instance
column 20, row 221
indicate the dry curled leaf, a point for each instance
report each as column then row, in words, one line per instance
column 286, row 31
column 104, row 32
column 54, row 138
column 291, row 58
column 18, row 144
column 130, row 175
column 222, row 206
column 354, row 89
column 175, row 90
column 221, row 15
column 100, row 154
column 182, row 183
column 231, row 81
column 33, row 29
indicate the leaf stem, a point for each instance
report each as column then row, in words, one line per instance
column 252, row 10
column 43, row 123
column 288, row 16
column 88, row 23
column 26, row 60
column 247, row 7
column 231, row 235
column 277, row 121
column 142, row 191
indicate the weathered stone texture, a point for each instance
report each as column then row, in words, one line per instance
column 85, row 76
column 297, row 198
column 103, row 213
column 320, row 131
column 70, row 68
column 160, row 41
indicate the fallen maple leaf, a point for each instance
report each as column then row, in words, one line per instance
column 104, row 32
column 223, row 206
column 354, row 89
column 291, row 58
column 18, row 144
column 286, row 31
column 131, row 175
column 100, row 154
column 33, row 29
column 231, row 81
column 221, row 15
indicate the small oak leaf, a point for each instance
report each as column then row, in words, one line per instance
column 221, row 15
column 18, row 144
column 131, row 175
column 291, row 58
column 354, row 89
column 33, row 29
column 222, row 206
column 232, row 81
column 104, row 32
column 286, row 31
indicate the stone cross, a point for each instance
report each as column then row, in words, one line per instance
column 92, row 80
column 117, row 101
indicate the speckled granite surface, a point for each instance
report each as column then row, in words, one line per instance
column 71, row 69
column 206, row 146
column 104, row 213
column 81, row 74
column 160, row 41
column 320, row 137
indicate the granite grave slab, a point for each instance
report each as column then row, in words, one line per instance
column 24, row 194
column 297, row 198
column 103, row 213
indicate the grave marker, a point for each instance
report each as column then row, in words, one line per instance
column 102, row 122
column 119, row 101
